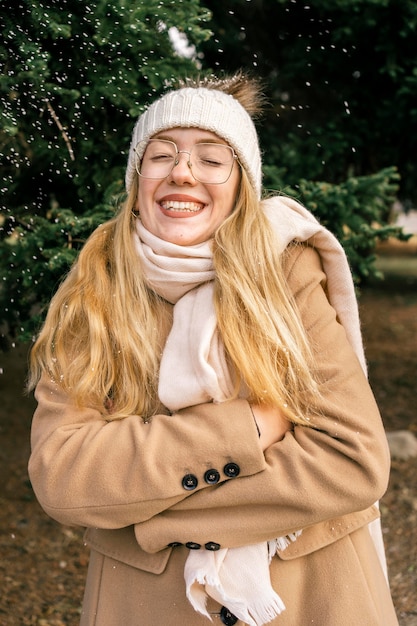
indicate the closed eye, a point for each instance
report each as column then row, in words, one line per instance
column 161, row 157
column 210, row 162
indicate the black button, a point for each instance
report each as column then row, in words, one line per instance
column 174, row 544
column 212, row 545
column 192, row 545
column 212, row 476
column 227, row 617
column 189, row 482
column 231, row 470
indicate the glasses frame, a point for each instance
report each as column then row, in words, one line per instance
column 144, row 144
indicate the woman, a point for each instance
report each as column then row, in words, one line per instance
column 203, row 408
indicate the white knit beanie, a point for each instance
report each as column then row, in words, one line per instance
column 209, row 109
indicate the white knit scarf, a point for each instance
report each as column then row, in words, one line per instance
column 237, row 578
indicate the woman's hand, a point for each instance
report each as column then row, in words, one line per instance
column 271, row 422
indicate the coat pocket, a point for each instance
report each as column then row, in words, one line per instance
column 121, row 545
column 325, row 533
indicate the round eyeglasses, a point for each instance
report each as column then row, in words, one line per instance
column 209, row 163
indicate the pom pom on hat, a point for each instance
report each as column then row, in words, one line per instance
column 209, row 109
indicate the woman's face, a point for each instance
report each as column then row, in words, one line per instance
column 179, row 208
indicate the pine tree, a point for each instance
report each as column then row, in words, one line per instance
column 75, row 75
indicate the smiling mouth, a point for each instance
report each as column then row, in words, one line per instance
column 183, row 207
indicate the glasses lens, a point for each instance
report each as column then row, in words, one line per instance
column 211, row 162
column 158, row 158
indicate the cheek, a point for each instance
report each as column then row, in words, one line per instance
column 146, row 191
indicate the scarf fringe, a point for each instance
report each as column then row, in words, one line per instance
column 247, row 595
column 281, row 543
column 263, row 613
column 259, row 612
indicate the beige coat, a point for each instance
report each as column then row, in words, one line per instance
column 140, row 487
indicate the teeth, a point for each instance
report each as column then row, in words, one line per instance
column 190, row 207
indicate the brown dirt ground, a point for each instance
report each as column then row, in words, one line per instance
column 43, row 564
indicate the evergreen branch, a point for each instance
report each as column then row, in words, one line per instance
column 61, row 128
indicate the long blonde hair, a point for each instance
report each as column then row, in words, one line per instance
column 264, row 337
column 101, row 340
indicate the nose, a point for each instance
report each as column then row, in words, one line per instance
column 181, row 172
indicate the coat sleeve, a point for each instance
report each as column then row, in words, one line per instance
column 339, row 465
column 109, row 474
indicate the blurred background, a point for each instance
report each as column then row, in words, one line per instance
column 339, row 133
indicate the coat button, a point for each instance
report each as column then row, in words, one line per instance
column 189, row 482
column 231, row 470
column 174, row 544
column 227, row 617
column 212, row 476
column 212, row 545
column 192, row 545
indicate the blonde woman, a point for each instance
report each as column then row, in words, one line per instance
column 203, row 406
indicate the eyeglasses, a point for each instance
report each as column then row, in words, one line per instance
column 209, row 163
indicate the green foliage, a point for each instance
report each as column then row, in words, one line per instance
column 34, row 260
column 74, row 76
column 355, row 211
column 341, row 77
